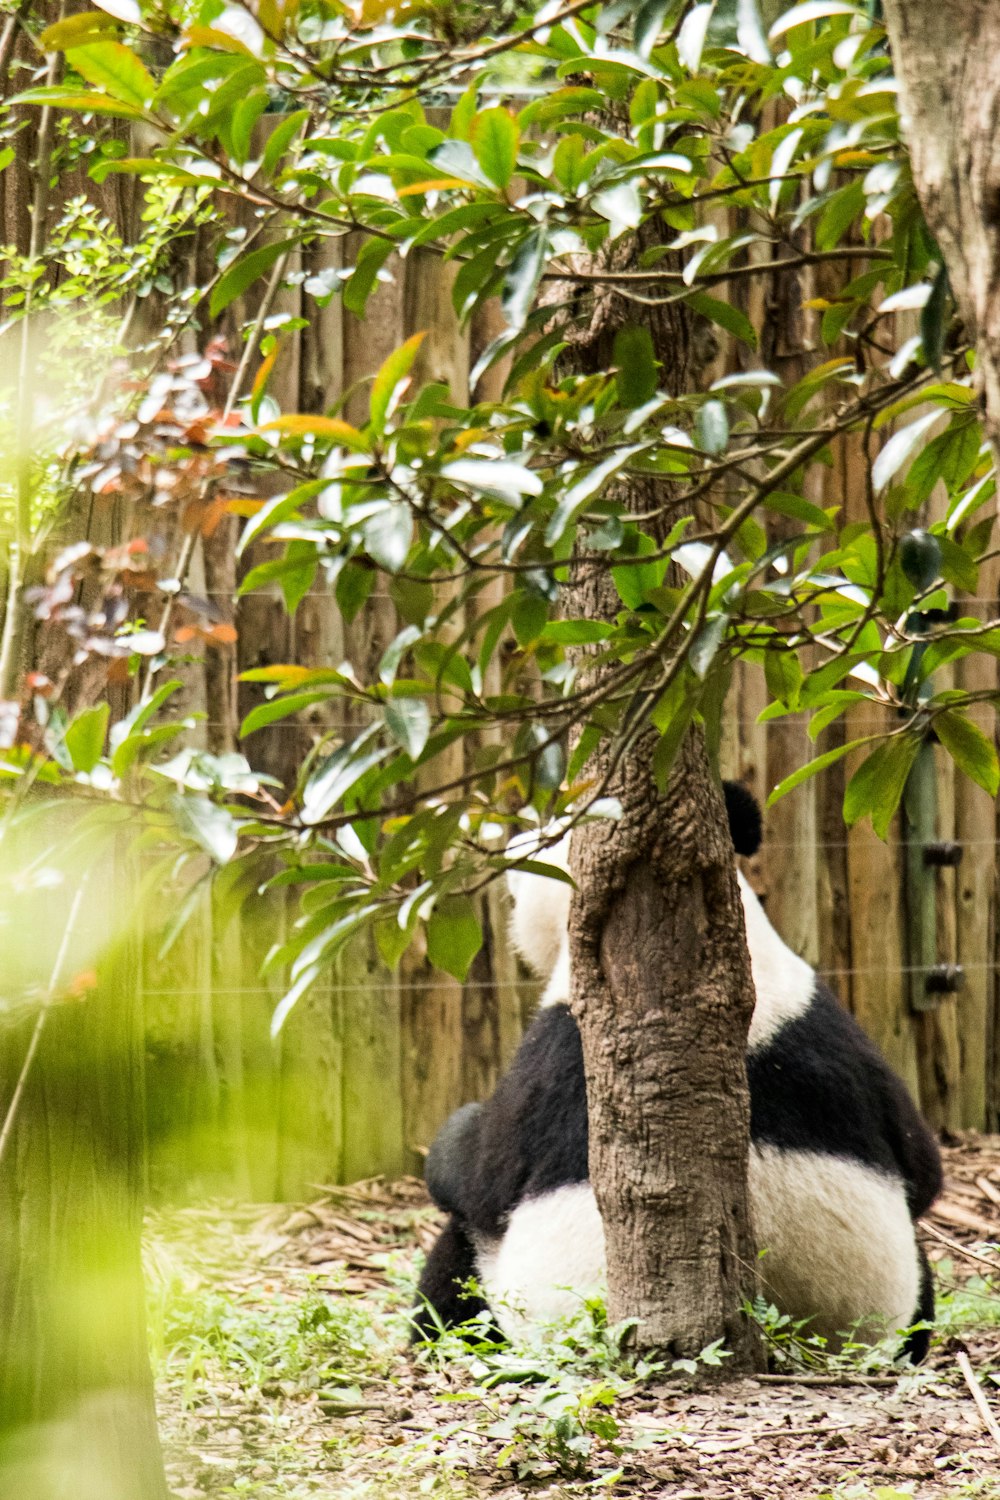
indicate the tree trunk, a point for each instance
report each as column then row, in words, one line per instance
column 950, row 107
column 663, row 996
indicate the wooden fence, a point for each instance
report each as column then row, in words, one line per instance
column 370, row 1063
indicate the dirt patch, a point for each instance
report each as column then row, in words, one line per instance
column 301, row 1384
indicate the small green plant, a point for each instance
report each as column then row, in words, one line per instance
column 558, row 1431
column 965, row 1304
column 792, row 1346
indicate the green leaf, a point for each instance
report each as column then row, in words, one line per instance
column 969, row 748
column 712, row 427
column 354, row 584
column 648, row 24
column 798, row 509
column 244, row 272
column 705, row 646
column 620, row 205
column 495, row 140
column 281, row 138
column 85, row 736
column 957, row 566
column 812, row 768
column 389, row 535
column 454, row 936
column 507, row 480
column 810, row 10
column 932, row 325
column 387, row 382
column 333, row 778
column 213, row 828
column 529, row 615
column 577, row 632
column 281, row 708
column 783, row 675
column 732, row 319
column 279, row 508
column 843, row 208
column 579, row 494
column 409, row 722
column 633, row 580
column 877, row 786
column 901, row 446
column 371, row 258
column 113, row 67
column 245, row 117
column 523, row 276
column 300, row 574
column 74, row 31
column 672, row 716
column 82, row 103
column 636, row 364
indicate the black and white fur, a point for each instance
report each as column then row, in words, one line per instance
column 841, row 1163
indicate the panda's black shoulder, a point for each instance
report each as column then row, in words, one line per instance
column 819, row 1084
column 532, row 1133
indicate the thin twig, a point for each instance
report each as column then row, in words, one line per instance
column 39, row 1027
column 976, row 1392
column 960, row 1249
column 263, row 313
column 846, row 1380
column 8, row 37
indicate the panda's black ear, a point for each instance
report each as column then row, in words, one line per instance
column 746, row 828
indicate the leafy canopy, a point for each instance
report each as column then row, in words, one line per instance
column 549, row 156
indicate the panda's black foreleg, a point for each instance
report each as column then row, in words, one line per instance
column 441, row 1300
column 452, row 1157
column 918, row 1343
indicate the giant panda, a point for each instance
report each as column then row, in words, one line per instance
column 841, row 1163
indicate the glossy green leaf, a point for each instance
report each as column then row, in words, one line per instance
column 813, row 768
column 281, row 138
column 636, row 365
column 972, row 752
column 243, row 272
column 113, row 67
column 213, row 828
column 495, row 139
column 389, row 382
column 876, row 788
column 85, row 736
column 522, row 278
column 454, row 936
column 389, row 535
column 409, row 722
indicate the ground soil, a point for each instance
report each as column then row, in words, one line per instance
column 400, row 1430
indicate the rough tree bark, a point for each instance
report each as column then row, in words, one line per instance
column 949, row 90
column 950, row 104
column 663, row 996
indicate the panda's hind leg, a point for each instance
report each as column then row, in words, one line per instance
column 917, row 1344
column 442, row 1301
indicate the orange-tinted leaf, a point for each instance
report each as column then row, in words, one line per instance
column 431, row 184
column 219, row 41
column 298, row 424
